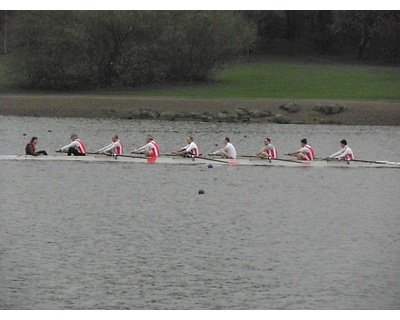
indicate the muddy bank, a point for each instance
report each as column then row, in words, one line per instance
column 209, row 110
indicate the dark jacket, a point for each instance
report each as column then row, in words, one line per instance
column 30, row 150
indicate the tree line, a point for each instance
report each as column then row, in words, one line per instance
column 372, row 36
column 120, row 49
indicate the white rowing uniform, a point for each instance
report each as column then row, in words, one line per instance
column 229, row 149
column 114, row 148
column 344, row 153
column 191, row 148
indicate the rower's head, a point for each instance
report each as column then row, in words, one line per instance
column 189, row 139
column 343, row 143
column 74, row 136
column 226, row 140
column 149, row 138
column 115, row 138
column 303, row 142
column 34, row 140
column 267, row 141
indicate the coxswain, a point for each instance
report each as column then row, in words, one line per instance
column 227, row 152
column 116, row 147
column 31, row 146
column 190, row 150
column 345, row 153
column 76, row 147
column 151, row 149
column 305, row 153
column 269, row 151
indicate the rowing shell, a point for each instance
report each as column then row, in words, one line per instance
column 178, row 160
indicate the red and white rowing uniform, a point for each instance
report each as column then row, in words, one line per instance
column 344, row 153
column 76, row 144
column 153, row 147
column 308, row 152
column 192, row 148
column 271, row 151
column 115, row 148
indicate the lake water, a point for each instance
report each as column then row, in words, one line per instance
column 77, row 235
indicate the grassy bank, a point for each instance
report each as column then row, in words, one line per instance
column 274, row 79
column 294, row 80
column 370, row 94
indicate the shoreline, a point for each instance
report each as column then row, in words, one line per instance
column 295, row 111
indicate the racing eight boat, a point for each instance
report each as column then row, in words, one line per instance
column 196, row 160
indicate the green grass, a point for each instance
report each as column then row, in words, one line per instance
column 295, row 81
column 277, row 79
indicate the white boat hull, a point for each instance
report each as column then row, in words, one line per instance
column 177, row 160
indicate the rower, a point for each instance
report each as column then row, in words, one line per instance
column 116, row 147
column 31, row 146
column 269, row 151
column 76, row 147
column 305, row 153
column 190, row 150
column 227, row 152
column 151, row 149
column 345, row 153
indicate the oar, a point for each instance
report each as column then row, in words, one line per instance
column 350, row 160
column 289, row 160
column 328, row 159
column 131, row 156
column 102, row 154
column 371, row 161
column 272, row 159
column 170, row 154
column 184, row 155
column 256, row 157
column 230, row 163
column 150, row 159
column 253, row 158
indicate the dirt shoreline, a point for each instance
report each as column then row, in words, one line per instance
column 381, row 113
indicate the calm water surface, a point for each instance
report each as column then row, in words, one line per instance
column 139, row 236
